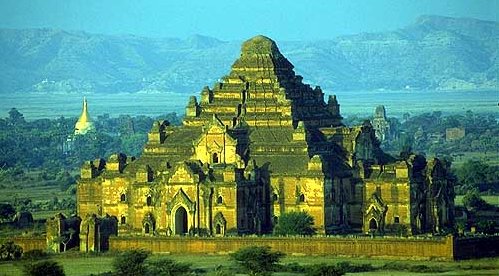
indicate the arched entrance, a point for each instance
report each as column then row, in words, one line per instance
column 373, row 225
column 220, row 223
column 181, row 221
column 148, row 224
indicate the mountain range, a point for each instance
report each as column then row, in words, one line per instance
column 434, row 52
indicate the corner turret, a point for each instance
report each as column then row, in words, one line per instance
column 333, row 106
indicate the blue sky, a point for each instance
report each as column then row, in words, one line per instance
column 234, row 20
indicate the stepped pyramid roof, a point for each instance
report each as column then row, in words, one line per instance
column 262, row 89
column 261, row 105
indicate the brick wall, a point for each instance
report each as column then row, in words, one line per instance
column 401, row 248
column 30, row 243
column 447, row 248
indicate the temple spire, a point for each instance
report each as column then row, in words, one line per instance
column 84, row 123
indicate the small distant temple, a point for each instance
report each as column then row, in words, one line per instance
column 85, row 123
column 257, row 144
column 454, row 133
column 381, row 124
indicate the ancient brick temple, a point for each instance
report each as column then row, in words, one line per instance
column 381, row 124
column 257, row 144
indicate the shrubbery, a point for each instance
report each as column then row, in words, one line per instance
column 473, row 201
column 419, row 268
column 348, row 267
column 132, row 263
column 7, row 212
column 295, row 223
column 258, row 260
column 46, row 268
column 262, row 261
column 35, row 254
column 324, row 270
column 10, row 251
column 167, row 267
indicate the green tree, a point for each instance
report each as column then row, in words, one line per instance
column 257, row 260
column 472, row 174
column 295, row 223
column 66, row 237
column 473, row 201
column 7, row 212
column 131, row 263
column 10, row 251
column 65, row 180
column 16, row 117
column 133, row 144
column 45, row 268
column 487, row 227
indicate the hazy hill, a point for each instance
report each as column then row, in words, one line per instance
column 433, row 53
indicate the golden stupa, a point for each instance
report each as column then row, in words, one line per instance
column 84, row 123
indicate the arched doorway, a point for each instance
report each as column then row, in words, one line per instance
column 373, row 225
column 215, row 158
column 181, row 221
column 302, row 198
column 220, row 223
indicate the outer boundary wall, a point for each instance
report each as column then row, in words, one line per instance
column 446, row 248
column 30, row 243
column 399, row 248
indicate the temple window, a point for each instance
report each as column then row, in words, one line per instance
column 220, row 200
column 302, row 198
column 396, row 219
column 215, row 158
column 123, row 220
column 123, row 198
column 149, row 200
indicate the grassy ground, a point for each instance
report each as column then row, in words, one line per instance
column 34, row 190
column 39, row 191
column 493, row 200
column 79, row 265
column 490, row 157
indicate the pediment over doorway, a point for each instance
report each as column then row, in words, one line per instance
column 181, row 198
